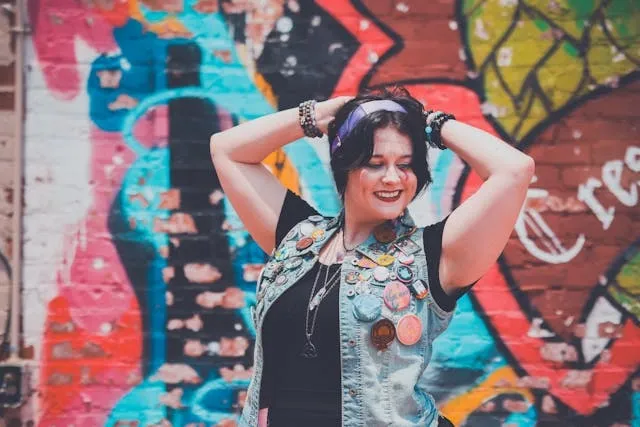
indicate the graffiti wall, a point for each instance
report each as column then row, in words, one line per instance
column 139, row 275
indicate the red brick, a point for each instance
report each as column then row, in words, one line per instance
column 608, row 149
column 573, row 176
column 562, row 154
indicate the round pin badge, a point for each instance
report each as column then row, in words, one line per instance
column 351, row 277
column 406, row 259
column 318, row 234
column 307, row 228
column 366, row 307
column 404, row 273
column 385, row 260
column 409, row 329
column 364, row 276
column 381, row 274
column 304, row 243
column 281, row 280
column 384, row 233
column 315, row 218
column 396, row 296
column 383, row 333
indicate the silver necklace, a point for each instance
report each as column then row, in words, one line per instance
column 309, row 350
column 344, row 245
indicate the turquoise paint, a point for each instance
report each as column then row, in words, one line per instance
column 440, row 172
column 140, row 404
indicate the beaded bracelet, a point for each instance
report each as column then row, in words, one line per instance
column 434, row 127
column 307, row 118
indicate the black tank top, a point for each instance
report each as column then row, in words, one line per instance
column 303, row 391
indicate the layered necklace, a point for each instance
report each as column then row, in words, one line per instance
column 315, row 298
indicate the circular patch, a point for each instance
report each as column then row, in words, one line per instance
column 382, row 333
column 366, row 307
column 405, row 274
column 384, row 233
column 304, row 243
column 385, row 260
column 281, row 280
column 396, row 296
column 409, row 329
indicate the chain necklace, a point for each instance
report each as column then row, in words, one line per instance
column 344, row 245
column 309, row 350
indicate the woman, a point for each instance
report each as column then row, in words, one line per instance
column 347, row 345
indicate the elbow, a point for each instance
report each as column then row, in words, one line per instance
column 528, row 167
column 522, row 170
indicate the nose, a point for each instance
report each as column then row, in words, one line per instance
column 391, row 176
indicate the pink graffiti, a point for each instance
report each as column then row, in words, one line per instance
column 95, row 319
column 57, row 26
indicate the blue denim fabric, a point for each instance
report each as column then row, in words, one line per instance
column 379, row 387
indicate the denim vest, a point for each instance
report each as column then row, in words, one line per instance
column 380, row 387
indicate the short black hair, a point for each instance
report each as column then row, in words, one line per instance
column 357, row 147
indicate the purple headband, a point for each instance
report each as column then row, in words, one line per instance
column 361, row 111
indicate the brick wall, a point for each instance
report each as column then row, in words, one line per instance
column 7, row 160
column 133, row 264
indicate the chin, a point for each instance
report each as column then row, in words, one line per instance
column 390, row 212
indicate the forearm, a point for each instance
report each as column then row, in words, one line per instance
column 252, row 141
column 486, row 154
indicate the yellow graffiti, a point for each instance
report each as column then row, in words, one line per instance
column 518, row 48
column 502, row 380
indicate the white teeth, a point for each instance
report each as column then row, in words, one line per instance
column 389, row 194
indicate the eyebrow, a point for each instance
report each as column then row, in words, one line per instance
column 379, row 156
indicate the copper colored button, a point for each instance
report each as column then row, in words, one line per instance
column 409, row 329
column 384, row 233
column 382, row 333
column 304, row 243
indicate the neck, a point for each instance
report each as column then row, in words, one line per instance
column 356, row 229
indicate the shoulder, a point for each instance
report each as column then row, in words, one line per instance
column 294, row 210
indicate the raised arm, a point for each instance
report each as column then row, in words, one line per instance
column 237, row 155
column 477, row 231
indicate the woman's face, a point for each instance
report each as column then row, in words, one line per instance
column 383, row 188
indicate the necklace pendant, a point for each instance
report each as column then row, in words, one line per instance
column 309, row 351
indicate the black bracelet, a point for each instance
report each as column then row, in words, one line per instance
column 434, row 128
column 307, row 118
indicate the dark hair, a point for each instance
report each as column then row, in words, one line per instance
column 357, row 147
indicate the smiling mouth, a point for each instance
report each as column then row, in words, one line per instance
column 388, row 196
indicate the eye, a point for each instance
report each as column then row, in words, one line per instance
column 374, row 165
column 404, row 166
